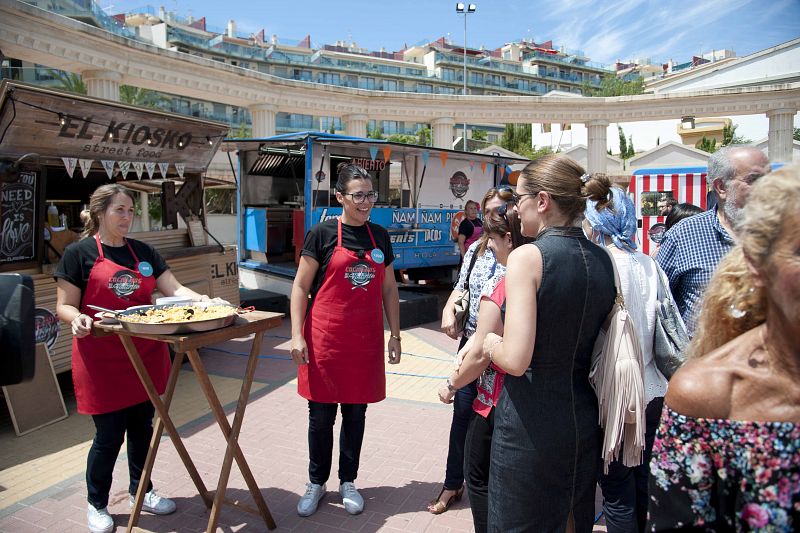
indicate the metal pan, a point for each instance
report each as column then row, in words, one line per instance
column 172, row 327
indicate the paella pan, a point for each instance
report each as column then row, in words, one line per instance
column 169, row 319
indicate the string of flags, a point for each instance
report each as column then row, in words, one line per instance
column 139, row 167
column 443, row 156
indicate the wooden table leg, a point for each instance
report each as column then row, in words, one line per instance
column 158, row 430
column 163, row 415
column 232, row 433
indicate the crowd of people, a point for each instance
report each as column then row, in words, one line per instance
column 721, row 439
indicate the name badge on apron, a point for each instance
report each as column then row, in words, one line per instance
column 377, row 255
column 145, row 269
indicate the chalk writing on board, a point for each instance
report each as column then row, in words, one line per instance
column 18, row 218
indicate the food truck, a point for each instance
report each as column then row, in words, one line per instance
column 648, row 185
column 56, row 148
column 287, row 184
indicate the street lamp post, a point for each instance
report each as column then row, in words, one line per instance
column 466, row 9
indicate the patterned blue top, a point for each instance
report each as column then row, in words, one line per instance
column 487, row 271
column 689, row 254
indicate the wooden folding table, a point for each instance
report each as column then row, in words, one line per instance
column 188, row 344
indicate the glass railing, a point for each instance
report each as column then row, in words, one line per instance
column 83, row 9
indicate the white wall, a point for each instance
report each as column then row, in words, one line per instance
column 223, row 227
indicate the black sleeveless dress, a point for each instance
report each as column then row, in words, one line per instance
column 545, row 458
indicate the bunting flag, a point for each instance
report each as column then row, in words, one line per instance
column 124, row 168
column 150, row 166
column 138, row 167
column 471, row 165
column 425, row 155
column 163, row 167
column 70, row 163
column 483, row 166
column 373, row 152
column 86, row 166
column 443, row 157
column 387, row 151
column 109, row 166
column 508, row 170
column 180, row 167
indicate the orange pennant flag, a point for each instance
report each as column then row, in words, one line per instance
column 443, row 157
column 387, row 151
column 483, row 166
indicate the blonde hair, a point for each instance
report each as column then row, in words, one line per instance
column 566, row 182
column 774, row 199
column 98, row 203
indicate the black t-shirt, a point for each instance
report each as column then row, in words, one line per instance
column 467, row 227
column 79, row 259
column 321, row 240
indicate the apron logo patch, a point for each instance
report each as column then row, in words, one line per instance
column 360, row 273
column 124, row 283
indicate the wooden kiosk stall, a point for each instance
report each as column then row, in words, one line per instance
column 56, row 148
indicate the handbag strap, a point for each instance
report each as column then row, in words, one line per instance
column 617, row 283
column 469, row 270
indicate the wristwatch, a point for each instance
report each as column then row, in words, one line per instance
column 450, row 386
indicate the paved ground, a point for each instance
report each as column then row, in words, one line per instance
column 402, row 466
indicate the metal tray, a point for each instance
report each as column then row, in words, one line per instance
column 173, row 327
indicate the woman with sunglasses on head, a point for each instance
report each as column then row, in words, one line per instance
column 611, row 222
column 337, row 336
column 479, row 265
column 504, row 234
column 545, row 457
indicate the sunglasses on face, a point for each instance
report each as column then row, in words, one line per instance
column 359, row 197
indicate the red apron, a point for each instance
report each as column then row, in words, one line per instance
column 104, row 377
column 476, row 234
column 344, row 331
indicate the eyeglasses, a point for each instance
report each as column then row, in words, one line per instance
column 507, row 193
column 359, row 197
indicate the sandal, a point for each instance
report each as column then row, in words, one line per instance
column 437, row 506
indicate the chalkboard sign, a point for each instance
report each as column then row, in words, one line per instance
column 18, row 219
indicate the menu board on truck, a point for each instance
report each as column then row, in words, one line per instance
column 18, row 218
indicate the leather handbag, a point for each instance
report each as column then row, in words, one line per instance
column 670, row 337
column 617, row 376
column 461, row 304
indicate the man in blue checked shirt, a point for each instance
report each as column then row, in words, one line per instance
column 692, row 248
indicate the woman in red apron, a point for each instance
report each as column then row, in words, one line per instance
column 338, row 343
column 108, row 270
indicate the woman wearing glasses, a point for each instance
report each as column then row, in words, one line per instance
column 337, row 337
column 504, row 234
column 479, row 266
column 545, row 456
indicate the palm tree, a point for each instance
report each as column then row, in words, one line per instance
column 141, row 97
column 69, row 81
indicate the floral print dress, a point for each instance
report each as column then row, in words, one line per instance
column 724, row 475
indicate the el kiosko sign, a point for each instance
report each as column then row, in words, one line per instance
column 81, row 130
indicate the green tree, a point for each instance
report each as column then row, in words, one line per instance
column 479, row 135
column 377, row 133
column 402, row 138
column 332, row 129
column 623, row 143
column 69, row 81
column 796, row 134
column 424, row 137
column 631, row 151
column 707, row 145
column 611, row 85
column 244, row 131
column 729, row 136
column 517, row 138
column 141, row 97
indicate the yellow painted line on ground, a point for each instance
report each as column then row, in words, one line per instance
column 39, row 460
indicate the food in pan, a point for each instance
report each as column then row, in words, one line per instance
column 177, row 314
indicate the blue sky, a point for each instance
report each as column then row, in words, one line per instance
column 604, row 30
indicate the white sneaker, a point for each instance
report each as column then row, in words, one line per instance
column 352, row 500
column 99, row 520
column 153, row 503
column 310, row 500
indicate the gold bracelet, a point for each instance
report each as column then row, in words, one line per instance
column 492, row 347
column 396, row 337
